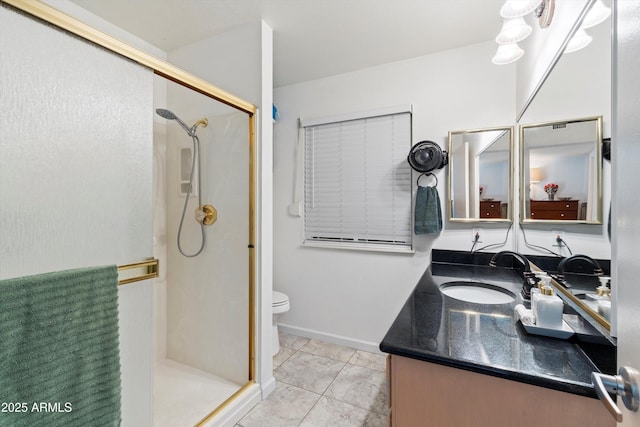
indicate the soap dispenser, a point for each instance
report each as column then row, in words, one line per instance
column 548, row 309
column 543, row 280
column 603, row 292
column 603, row 297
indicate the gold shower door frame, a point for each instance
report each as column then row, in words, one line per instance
column 183, row 78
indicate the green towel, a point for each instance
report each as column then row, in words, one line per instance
column 59, row 349
column 428, row 215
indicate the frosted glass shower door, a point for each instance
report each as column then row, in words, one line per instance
column 75, row 173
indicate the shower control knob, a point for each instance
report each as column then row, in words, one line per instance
column 206, row 214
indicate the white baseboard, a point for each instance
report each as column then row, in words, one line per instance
column 371, row 347
column 268, row 387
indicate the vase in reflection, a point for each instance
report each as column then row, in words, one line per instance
column 551, row 189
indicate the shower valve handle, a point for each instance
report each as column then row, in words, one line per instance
column 206, row 214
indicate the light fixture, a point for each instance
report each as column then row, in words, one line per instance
column 535, row 175
column 518, row 8
column 579, row 41
column 507, row 53
column 544, row 13
column 513, row 31
column 598, row 13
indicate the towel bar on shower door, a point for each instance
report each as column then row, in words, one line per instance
column 146, row 270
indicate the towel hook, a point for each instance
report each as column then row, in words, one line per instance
column 427, row 174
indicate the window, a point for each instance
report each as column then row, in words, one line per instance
column 357, row 182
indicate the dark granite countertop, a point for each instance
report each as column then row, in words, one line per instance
column 484, row 338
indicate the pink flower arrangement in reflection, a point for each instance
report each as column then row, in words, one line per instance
column 551, row 188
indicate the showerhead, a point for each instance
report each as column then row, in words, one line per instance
column 166, row 114
column 169, row 115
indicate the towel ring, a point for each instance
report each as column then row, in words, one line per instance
column 427, row 174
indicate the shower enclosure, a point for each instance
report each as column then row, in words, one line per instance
column 203, row 306
column 202, row 315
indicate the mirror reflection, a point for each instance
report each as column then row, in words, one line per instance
column 577, row 86
column 560, row 165
column 480, row 174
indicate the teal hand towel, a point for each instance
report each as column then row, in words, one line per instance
column 59, row 349
column 428, row 215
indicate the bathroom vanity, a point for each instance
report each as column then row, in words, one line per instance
column 457, row 363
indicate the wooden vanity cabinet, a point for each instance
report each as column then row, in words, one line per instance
column 553, row 209
column 428, row 394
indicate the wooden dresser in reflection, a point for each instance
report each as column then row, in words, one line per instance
column 492, row 209
column 553, row 209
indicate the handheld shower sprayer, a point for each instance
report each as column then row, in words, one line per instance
column 169, row 115
column 205, row 214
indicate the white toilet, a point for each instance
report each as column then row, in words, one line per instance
column 280, row 304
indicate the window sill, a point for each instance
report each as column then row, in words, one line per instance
column 367, row 247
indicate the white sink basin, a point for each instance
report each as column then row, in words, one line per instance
column 476, row 292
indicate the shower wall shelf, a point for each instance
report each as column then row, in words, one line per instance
column 145, row 270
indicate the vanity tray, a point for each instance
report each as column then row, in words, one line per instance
column 526, row 318
column 564, row 333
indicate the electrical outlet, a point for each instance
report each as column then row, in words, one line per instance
column 557, row 234
column 477, row 232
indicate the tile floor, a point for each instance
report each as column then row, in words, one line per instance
column 321, row 384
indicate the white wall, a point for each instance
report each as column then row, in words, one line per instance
column 494, row 173
column 350, row 296
column 231, row 61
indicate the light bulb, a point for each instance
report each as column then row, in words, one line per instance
column 518, row 8
column 598, row 13
column 579, row 41
column 513, row 31
column 507, row 53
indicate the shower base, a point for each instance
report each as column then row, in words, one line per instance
column 183, row 396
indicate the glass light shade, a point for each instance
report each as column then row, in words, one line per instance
column 513, row 31
column 535, row 175
column 579, row 41
column 507, row 53
column 518, row 8
column 598, row 13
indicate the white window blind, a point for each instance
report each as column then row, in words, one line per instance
column 357, row 183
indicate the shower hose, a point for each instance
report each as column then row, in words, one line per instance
column 196, row 155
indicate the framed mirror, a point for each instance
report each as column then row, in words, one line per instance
column 480, row 177
column 578, row 85
column 561, row 171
